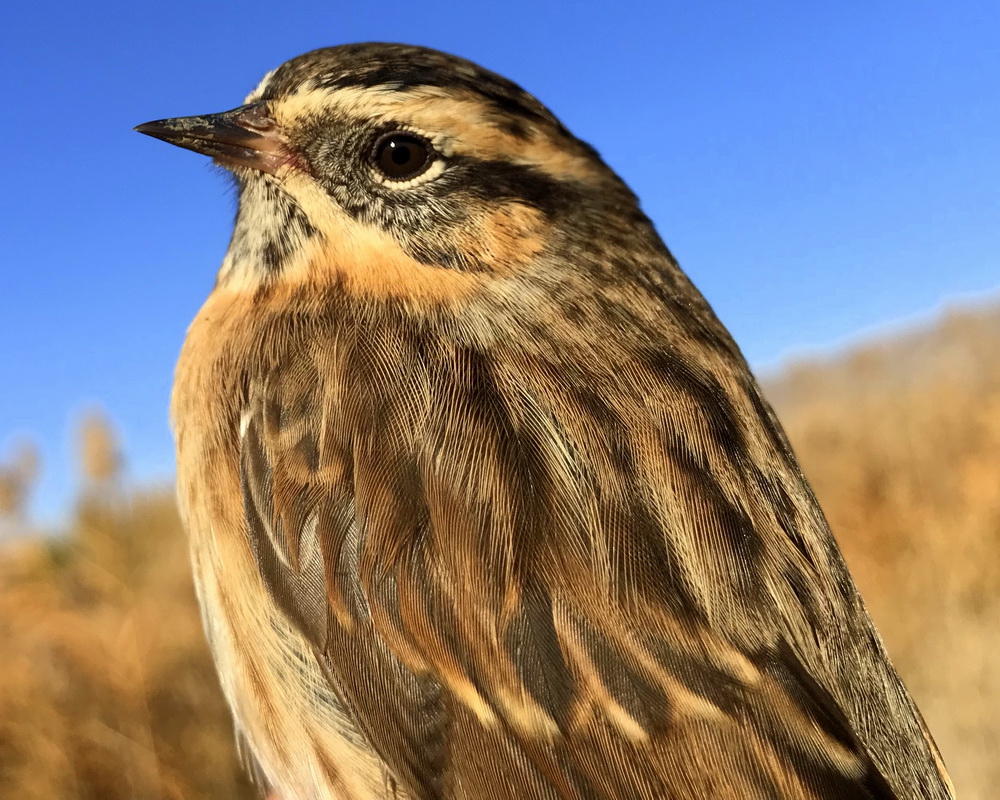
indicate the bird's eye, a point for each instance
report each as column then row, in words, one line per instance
column 402, row 156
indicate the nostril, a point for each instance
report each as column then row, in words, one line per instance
column 255, row 118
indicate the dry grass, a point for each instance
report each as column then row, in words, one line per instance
column 106, row 687
column 106, row 690
column 901, row 441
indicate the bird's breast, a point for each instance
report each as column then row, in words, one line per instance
column 283, row 706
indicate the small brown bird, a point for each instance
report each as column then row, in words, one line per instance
column 484, row 503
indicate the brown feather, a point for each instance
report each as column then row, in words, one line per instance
column 537, row 538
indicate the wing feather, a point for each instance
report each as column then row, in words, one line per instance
column 525, row 583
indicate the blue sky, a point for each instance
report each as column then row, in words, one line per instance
column 818, row 168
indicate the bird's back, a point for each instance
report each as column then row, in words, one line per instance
column 521, row 621
column 484, row 502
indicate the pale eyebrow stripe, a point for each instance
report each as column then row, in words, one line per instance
column 472, row 127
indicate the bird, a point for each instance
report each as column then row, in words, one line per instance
column 483, row 500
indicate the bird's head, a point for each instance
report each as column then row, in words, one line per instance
column 398, row 170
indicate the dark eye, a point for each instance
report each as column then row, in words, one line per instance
column 402, row 156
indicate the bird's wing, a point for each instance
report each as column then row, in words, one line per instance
column 537, row 586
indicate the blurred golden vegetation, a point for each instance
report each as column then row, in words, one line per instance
column 107, row 691
column 106, row 687
column 901, row 441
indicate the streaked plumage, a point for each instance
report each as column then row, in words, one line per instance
column 484, row 502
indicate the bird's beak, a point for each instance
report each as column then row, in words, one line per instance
column 242, row 137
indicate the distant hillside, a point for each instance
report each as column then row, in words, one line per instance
column 901, row 441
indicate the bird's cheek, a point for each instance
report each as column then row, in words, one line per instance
column 499, row 240
column 365, row 259
column 508, row 237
